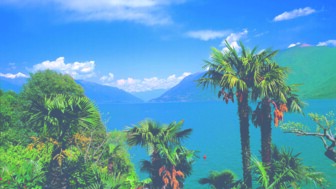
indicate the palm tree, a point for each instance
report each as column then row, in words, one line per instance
column 288, row 172
column 220, row 180
column 272, row 90
column 156, row 138
column 239, row 74
column 57, row 119
column 176, row 166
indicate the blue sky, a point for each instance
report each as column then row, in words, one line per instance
column 144, row 45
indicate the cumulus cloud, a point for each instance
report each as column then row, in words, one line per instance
column 294, row 14
column 327, row 43
column 147, row 84
column 144, row 11
column 206, row 35
column 78, row 70
column 294, row 45
column 13, row 76
column 233, row 39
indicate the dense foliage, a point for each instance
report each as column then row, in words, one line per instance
column 10, row 113
column 52, row 136
column 49, row 82
column 288, row 172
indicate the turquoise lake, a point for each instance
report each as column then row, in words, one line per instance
column 216, row 134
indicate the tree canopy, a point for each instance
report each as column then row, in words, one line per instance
column 48, row 82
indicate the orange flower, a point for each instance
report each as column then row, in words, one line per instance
column 161, row 170
column 180, row 174
column 165, row 181
column 276, row 121
column 30, row 146
column 283, row 108
column 277, row 116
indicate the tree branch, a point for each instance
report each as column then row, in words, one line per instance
column 324, row 142
column 330, row 152
column 302, row 133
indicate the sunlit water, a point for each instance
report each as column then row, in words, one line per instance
column 216, row 134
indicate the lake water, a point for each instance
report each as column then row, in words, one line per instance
column 216, row 134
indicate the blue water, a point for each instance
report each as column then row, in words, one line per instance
column 216, row 134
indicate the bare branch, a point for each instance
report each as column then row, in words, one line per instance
column 324, row 142
column 302, row 133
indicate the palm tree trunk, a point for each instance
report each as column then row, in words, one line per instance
column 266, row 137
column 156, row 163
column 243, row 111
column 56, row 177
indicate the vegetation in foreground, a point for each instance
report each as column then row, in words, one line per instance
column 52, row 136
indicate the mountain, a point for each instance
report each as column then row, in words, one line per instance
column 188, row 91
column 312, row 67
column 96, row 92
column 106, row 94
column 148, row 95
column 12, row 84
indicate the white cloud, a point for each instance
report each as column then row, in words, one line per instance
column 143, row 11
column 294, row 14
column 206, row 35
column 107, row 78
column 146, row 84
column 233, row 39
column 78, row 70
column 13, row 76
column 327, row 43
column 294, row 45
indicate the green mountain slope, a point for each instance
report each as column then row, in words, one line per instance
column 314, row 68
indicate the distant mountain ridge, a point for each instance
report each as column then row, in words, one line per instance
column 107, row 94
column 187, row 91
column 98, row 93
column 313, row 67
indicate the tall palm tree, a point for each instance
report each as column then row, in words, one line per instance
column 236, row 73
column 156, row 138
column 57, row 119
column 273, row 91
